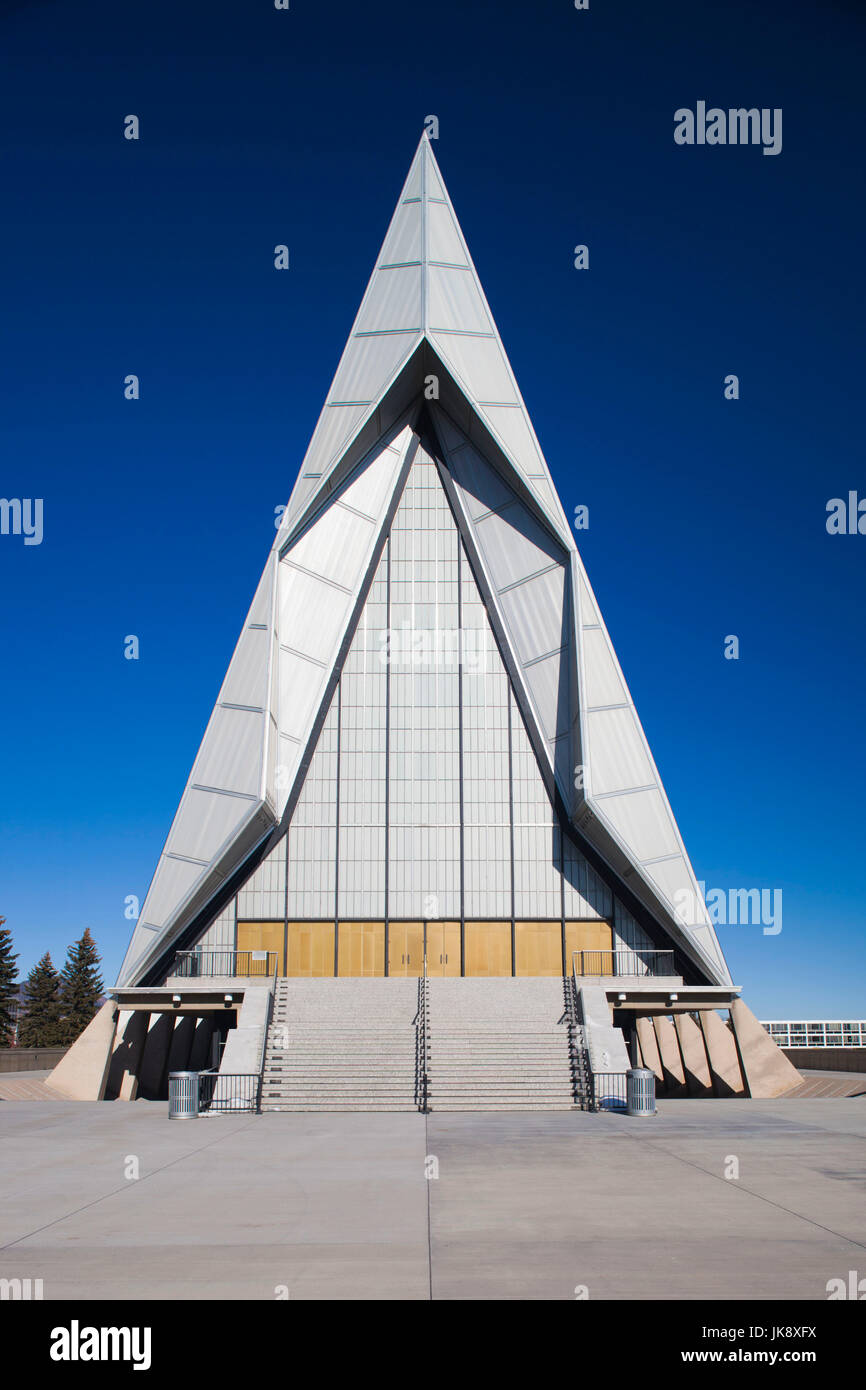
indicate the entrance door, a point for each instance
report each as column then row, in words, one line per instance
column 311, row 949
column 258, row 937
column 538, row 948
column 443, row 948
column 488, row 948
column 405, row 948
column 361, row 948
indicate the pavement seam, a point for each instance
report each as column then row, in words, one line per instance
column 127, row 1187
column 654, row 1144
column 429, row 1218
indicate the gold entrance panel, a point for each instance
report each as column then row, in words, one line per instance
column 361, row 948
column 488, row 948
column 262, row 936
column 538, row 948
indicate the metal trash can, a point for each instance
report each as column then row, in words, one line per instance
column 640, row 1092
column 183, row 1095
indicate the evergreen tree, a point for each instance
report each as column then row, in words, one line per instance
column 8, row 978
column 41, row 1025
column 80, row 987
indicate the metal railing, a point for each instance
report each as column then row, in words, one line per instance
column 194, row 965
column 422, row 1042
column 236, row 1092
column 609, row 1090
column 626, row 962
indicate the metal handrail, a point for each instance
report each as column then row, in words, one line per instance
column 240, row 1091
column 423, row 1004
column 239, row 964
column 631, row 961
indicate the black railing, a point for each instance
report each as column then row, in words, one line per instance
column 422, row 1042
column 195, row 965
column 609, row 1090
column 627, row 962
column 236, row 1092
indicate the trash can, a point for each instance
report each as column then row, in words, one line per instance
column 183, row 1095
column 640, row 1092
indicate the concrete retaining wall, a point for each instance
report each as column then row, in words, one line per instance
column 30, row 1058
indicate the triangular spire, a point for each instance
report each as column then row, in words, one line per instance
column 424, row 344
column 424, row 289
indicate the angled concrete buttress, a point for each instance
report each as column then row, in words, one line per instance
column 721, row 1054
column 83, row 1073
column 199, row 1055
column 181, row 1043
column 126, row 1057
column 649, row 1048
column 154, row 1063
column 669, row 1052
column 766, row 1070
column 694, row 1055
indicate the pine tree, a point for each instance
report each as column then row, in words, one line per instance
column 80, row 987
column 41, row 1024
column 8, row 979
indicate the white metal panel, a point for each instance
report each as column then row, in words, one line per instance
column 334, row 552
column 208, row 820
column 478, row 364
column 510, row 425
column 372, row 487
column 403, row 239
column 533, row 611
column 174, row 880
column 640, row 821
column 444, row 242
column 453, row 302
column 481, row 487
column 393, row 307
column 515, row 546
column 230, row 757
column 548, row 685
column 617, row 759
column 247, row 680
column 588, row 610
column 603, row 682
column 363, row 377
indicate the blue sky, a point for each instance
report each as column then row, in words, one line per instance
column 707, row 517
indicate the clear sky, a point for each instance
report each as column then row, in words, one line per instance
column 707, row 516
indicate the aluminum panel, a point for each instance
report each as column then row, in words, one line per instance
column 231, row 754
column 641, row 822
column 453, row 301
column 174, row 879
column 444, row 242
column 511, row 427
column 548, row 685
column 478, row 364
column 533, row 613
column 515, row 546
column 403, row 239
column 617, row 755
column 603, row 683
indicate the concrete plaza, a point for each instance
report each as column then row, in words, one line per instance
column 525, row 1206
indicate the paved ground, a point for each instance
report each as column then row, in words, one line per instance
column 26, row 1085
column 525, row 1206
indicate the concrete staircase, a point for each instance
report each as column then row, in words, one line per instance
column 502, row 1044
column 342, row 1044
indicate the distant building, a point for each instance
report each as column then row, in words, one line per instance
column 817, row 1033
